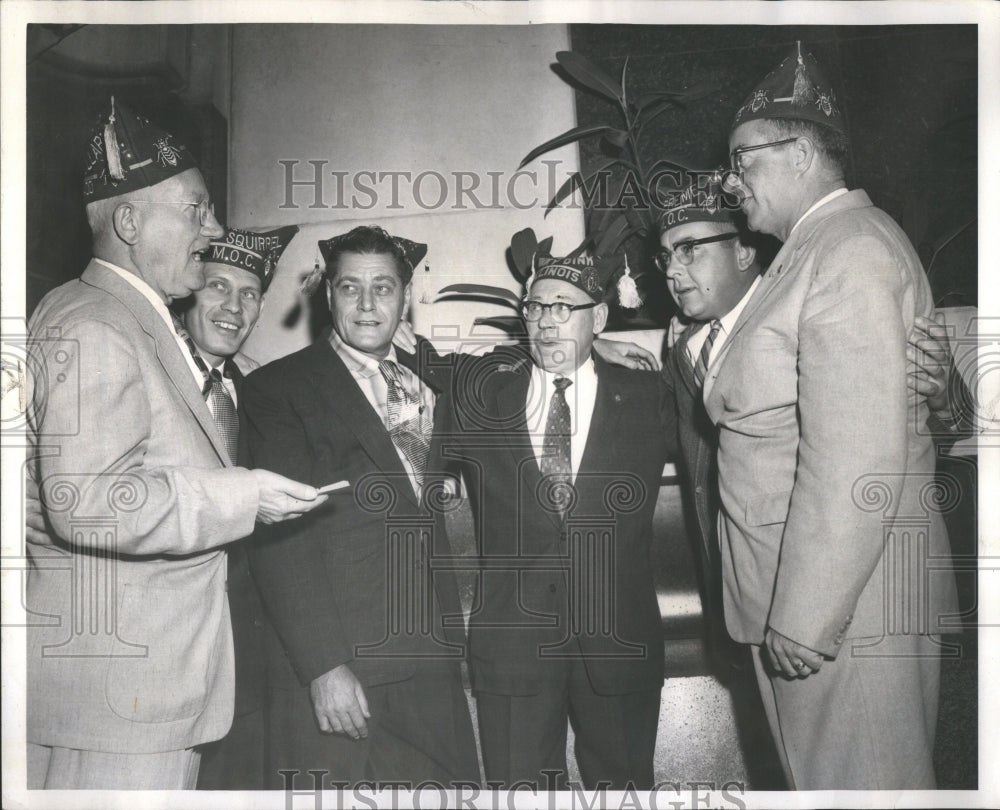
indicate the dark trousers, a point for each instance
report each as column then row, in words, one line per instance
column 237, row 761
column 419, row 730
column 522, row 736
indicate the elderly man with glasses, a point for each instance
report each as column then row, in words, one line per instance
column 834, row 561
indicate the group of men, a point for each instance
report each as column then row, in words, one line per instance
column 786, row 401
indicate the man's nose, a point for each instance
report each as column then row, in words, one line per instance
column 233, row 302
column 212, row 228
column 366, row 301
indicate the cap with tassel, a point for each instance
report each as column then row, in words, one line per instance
column 628, row 293
column 127, row 153
column 796, row 89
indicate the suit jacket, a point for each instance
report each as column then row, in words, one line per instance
column 829, row 531
column 129, row 643
column 536, row 599
column 696, row 443
column 332, row 580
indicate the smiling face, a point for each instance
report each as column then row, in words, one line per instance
column 170, row 240
column 223, row 312
column 561, row 347
column 718, row 276
column 367, row 301
column 768, row 179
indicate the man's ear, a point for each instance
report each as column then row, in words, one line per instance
column 329, row 293
column 803, row 153
column 126, row 222
column 407, row 295
column 600, row 318
column 745, row 256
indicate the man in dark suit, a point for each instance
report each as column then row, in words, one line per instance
column 367, row 678
column 216, row 321
column 562, row 455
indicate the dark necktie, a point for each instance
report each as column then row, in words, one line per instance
column 408, row 428
column 557, row 462
column 215, row 393
column 706, row 350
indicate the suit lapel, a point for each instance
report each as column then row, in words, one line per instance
column 684, row 363
column 604, row 421
column 168, row 353
column 341, row 395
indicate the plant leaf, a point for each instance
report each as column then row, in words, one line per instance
column 617, row 137
column 505, row 323
column 545, row 246
column 576, row 180
column 589, row 75
column 569, row 136
column 498, row 295
column 522, row 250
column 614, row 231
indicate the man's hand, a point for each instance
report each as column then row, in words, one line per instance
column 282, row 498
column 34, row 521
column 789, row 657
column 930, row 360
column 405, row 338
column 628, row 355
column 675, row 329
column 339, row 703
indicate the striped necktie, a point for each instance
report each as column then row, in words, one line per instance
column 701, row 367
column 215, row 393
column 557, row 462
column 408, row 429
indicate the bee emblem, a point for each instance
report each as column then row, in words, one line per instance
column 166, row 154
column 825, row 102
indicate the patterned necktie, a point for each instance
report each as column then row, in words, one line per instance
column 557, row 462
column 408, row 429
column 215, row 393
column 706, row 350
column 224, row 412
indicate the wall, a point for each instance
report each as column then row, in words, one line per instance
column 417, row 99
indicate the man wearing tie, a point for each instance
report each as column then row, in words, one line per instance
column 367, row 683
column 215, row 321
column 562, row 455
column 129, row 659
column 834, row 558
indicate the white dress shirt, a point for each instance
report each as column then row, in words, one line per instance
column 365, row 371
column 727, row 321
column 580, row 396
column 161, row 309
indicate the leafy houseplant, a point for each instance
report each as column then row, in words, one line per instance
column 617, row 210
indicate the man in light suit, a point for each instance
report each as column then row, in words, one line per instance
column 562, row 455
column 826, row 528
column 129, row 658
column 366, row 681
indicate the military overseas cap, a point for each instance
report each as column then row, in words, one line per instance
column 257, row 253
column 701, row 200
column 592, row 274
column 413, row 252
column 796, row 89
column 127, row 153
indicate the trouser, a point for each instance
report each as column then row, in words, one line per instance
column 865, row 721
column 55, row 768
column 419, row 730
column 524, row 736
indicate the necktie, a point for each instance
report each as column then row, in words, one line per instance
column 556, row 459
column 215, row 393
column 408, row 428
column 224, row 412
column 706, row 350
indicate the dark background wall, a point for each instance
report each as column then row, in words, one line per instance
column 909, row 93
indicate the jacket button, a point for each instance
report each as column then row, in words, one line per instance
column 552, row 588
column 699, row 490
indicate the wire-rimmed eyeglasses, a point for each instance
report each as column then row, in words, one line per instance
column 560, row 311
column 684, row 250
column 205, row 209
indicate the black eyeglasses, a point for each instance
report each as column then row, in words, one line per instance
column 736, row 156
column 684, row 251
column 560, row 312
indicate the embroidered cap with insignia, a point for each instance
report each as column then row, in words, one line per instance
column 257, row 253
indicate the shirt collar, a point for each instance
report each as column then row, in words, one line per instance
column 142, row 287
column 821, row 201
column 359, row 363
column 584, row 374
